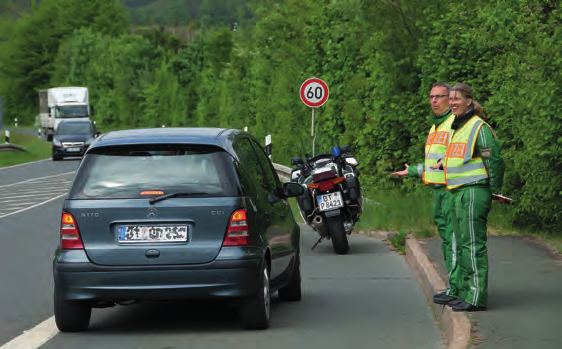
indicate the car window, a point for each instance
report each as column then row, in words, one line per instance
column 253, row 163
column 248, row 188
column 267, row 167
column 126, row 172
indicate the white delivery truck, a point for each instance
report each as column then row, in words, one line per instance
column 60, row 104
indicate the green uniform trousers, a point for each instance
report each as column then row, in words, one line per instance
column 442, row 215
column 470, row 208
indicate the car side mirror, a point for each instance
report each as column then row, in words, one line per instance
column 351, row 161
column 97, row 134
column 292, row 189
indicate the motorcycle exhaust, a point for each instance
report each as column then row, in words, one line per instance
column 320, row 225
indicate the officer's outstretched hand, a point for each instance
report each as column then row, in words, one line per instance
column 401, row 173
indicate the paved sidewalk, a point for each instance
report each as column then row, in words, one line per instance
column 524, row 295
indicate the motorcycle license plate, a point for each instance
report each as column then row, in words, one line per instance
column 330, row 201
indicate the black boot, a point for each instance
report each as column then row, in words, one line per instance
column 444, row 299
column 464, row 306
column 455, row 302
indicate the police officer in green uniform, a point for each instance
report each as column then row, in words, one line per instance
column 435, row 149
column 474, row 171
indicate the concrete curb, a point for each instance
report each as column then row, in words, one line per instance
column 455, row 325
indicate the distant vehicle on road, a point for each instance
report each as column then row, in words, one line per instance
column 72, row 138
column 62, row 103
column 176, row 214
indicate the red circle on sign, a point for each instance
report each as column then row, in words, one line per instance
column 303, row 89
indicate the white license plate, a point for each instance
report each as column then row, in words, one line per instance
column 147, row 234
column 330, row 201
column 72, row 150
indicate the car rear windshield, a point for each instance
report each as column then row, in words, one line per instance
column 131, row 172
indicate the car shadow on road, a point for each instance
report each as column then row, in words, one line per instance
column 171, row 317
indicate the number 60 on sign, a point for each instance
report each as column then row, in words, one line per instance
column 314, row 92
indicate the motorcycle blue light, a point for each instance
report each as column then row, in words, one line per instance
column 336, row 151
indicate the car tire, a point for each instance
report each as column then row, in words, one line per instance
column 255, row 311
column 338, row 235
column 71, row 316
column 293, row 292
column 57, row 158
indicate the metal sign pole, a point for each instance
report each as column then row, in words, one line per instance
column 312, row 133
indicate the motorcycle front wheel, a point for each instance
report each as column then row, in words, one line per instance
column 338, row 235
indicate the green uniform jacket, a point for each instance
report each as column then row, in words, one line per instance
column 495, row 166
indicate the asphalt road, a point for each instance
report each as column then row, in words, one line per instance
column 524, row 300
column 366, row 299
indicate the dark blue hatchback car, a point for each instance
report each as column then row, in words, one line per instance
column 176, row 214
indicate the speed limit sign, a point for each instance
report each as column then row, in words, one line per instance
column 314, row 92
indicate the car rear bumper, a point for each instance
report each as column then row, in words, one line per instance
column 217, row 279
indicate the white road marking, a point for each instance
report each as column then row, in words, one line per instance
column 35, row 337
column 27, row 163
column 22, row 204
column 35, row 179
column 30, row 207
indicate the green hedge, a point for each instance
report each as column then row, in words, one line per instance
column 379, row 59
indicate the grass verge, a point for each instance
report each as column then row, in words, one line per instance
column 36, row 150
column 394, row 211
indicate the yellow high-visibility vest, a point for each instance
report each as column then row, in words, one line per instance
column 436, row 149
column 460, row 167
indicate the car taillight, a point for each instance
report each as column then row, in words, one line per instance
column 237, row 233
column 326, row 185
column 69, row 235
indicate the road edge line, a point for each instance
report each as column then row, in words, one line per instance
column 25, row 163
column 30, row 207
column 456, row 325
column 35, row 337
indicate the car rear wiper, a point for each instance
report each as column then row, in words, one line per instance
column 172, row 195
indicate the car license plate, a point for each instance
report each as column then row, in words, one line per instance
column 330, row 201
column 72, row 150
column 147, row 234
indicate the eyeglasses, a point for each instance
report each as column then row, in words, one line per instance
column 437, row 97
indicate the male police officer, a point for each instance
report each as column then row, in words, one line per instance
column 435, row 149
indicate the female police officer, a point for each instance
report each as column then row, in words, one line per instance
column 473, row 171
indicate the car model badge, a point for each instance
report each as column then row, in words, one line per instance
column 152, row 213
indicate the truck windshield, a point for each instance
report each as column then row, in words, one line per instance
column 72, row 111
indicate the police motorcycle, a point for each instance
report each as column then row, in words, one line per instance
column 333, row 198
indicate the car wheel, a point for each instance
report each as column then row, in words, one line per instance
column 71, row 316
column 57, row 158
column 255, row 311
column 292, row 292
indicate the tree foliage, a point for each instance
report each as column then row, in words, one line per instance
column 379, row 58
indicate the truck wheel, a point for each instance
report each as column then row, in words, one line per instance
column 338, row 235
